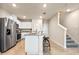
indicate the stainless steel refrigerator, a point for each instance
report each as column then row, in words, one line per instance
column 8, row 34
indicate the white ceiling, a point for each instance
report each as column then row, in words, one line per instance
column 35, row 10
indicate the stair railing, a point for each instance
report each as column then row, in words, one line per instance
column 64, row 28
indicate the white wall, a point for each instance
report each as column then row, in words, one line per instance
column 71, row 21
column 45, row 27
column 4, row 13
column 56, row 33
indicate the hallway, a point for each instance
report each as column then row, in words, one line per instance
column 19, row 49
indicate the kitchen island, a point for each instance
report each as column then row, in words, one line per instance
column 34, row 44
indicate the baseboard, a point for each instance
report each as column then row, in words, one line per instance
column 52, row 39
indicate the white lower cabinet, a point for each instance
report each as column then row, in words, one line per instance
column 33, row 45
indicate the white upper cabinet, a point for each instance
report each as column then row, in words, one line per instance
column 25, row 25
column 36, row 25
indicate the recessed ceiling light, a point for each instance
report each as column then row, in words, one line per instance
column 41, row 17
column 24, row 17
column 44, row 5
column 14, row 5
column 68, row 10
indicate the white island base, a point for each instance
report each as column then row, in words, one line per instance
column 34, row 44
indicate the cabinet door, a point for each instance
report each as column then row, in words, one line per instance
column 31, row 45
column 36, row 25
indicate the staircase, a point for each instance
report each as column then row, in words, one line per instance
column 71, row 43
